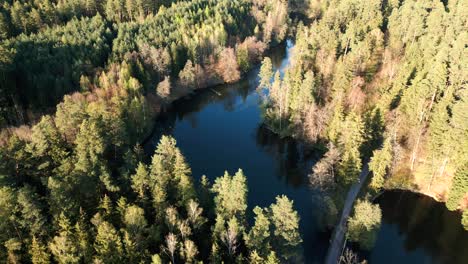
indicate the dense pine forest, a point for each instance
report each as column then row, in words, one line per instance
column 376, row 86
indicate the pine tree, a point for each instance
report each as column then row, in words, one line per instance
column 140, row 181
column 38, row 252
column 258, row 239
column 272, row 259
column 32, row 217
column 83, row 237
column 265, row 74
column 350, row 140
column 47, row 144
column 231, row 195
column 69, row 116
column 135, row 221
column 108, row 244
column 182, row 174
column 459, row 188
column 90, row 146
column 364, row 224
column 380, row 163
column 285, row 221
column 63, row 246
column 334, row 126
column 106, row 207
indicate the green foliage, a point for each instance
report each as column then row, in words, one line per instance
column 350, row 139
column 140, row 180
column 345, row 85
column 265, row 74
column 81, row 162
column 379, row 164
column 231, row 195
column 243, row 59
column 258, row 239
column 170, row 179
column 459, row 188
column 364, row 224
column 13, row 247
column 108, row 244
column 31, row 209
column 273, row 19
column 179, row 25
column 286, row 238
column 7, row 214
column 77, row 45
column 47, row 144
column 63, row 246
column 39, row 253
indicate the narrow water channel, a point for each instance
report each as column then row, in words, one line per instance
column 222, row 130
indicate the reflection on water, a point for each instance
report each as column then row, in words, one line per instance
column 294, row 160
column 221, row 129
column 417, row 229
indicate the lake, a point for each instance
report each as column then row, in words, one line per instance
column 220, row 129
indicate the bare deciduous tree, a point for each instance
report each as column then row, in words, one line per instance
column 194, row 214
column 349, row 257
column 189, row 251
column 229, row 236
column 164, row 88
column 227, row 66
column 171, row 246
column 323, row 174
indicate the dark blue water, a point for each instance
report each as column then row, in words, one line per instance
column 221, row 129
column 417, row 229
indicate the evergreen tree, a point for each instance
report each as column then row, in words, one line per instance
column 258, row 238
column 265, row 74
column 140, row 181
column 350, row 140
column 32, row 216
column 63, row 246
column 379, row 164
column 459, row 188
column 38, row 252
column 108, row 244
column 231, row 195
column 285, row 221
column 364, row 224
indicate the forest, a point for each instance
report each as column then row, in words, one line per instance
column 377, row 86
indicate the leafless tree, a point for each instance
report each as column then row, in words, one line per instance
column 171, row 246
column 229, row 238
column 194, row 214
column 164, row 88
column 323, row 174
column 189, row 251
column 349, row 257
column 227, row 66
column 184, row 229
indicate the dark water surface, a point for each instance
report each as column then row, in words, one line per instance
column 220, row 129
column 417, row 229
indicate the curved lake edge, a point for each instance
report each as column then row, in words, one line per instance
column 205, row 117
column 193, row 92
column 417, row 229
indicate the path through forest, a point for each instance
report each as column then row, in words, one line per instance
column 336, row 245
